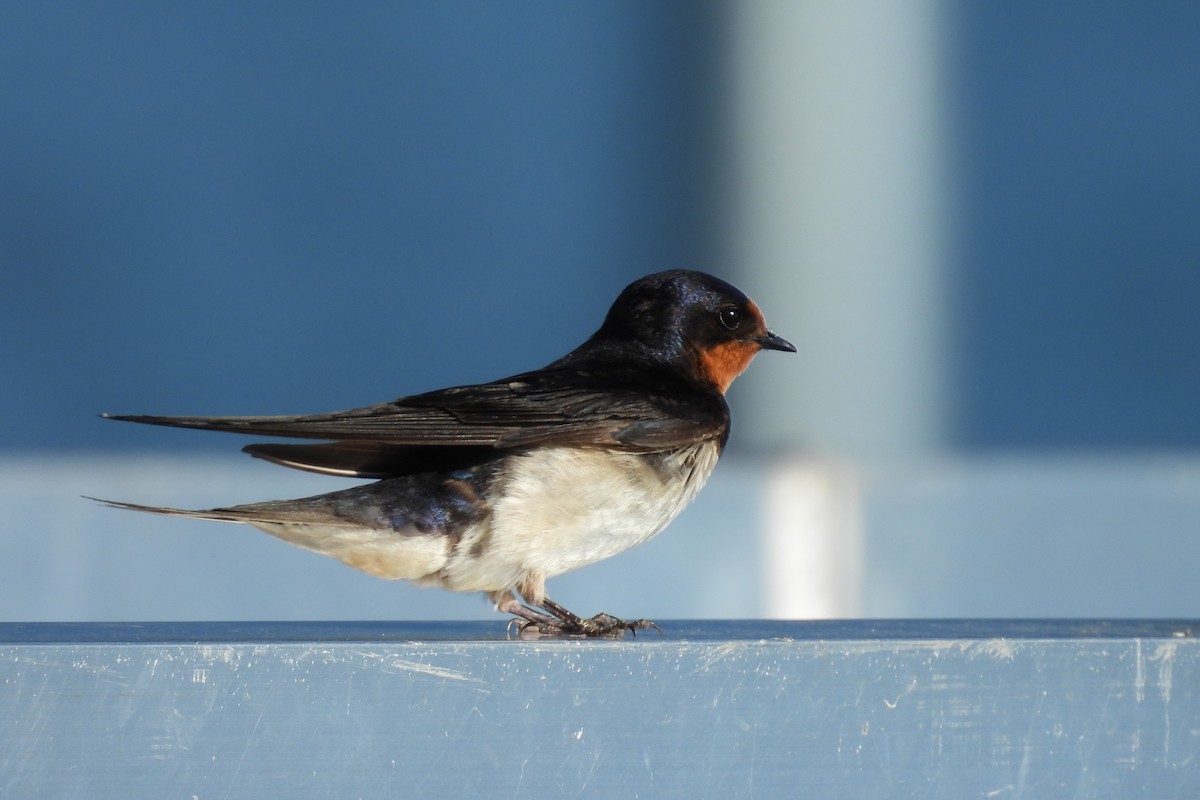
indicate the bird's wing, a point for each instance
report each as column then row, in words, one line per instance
column 373, row 459
column 564, row 407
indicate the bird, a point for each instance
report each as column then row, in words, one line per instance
column 496, row 487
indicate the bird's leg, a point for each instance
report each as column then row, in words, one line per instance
column 536, row 615
column 568, row 623
column 524, row 615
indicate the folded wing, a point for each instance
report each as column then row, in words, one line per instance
column 465, row 425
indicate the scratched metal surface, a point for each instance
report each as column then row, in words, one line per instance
column 950, row 709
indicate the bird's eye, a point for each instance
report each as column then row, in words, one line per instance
column 731, row 317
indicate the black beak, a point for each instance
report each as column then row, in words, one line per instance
column 773, row 342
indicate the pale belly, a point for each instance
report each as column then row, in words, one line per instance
column 565, row 508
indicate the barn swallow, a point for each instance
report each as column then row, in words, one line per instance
column 496, row 487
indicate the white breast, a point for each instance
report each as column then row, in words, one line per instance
column 564, row 508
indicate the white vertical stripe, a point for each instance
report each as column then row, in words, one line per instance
column 839, row 220
column 813, row 541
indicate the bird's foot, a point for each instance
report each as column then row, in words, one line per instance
column 563, row 624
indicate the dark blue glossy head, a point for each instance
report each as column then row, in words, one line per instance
column 690, row 319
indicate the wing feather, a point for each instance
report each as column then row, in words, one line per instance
column 547, row 407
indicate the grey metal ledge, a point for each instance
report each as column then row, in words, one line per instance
column 676, row 631
column 861, row 709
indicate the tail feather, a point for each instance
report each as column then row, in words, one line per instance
column 283, row 512
column 216, row 514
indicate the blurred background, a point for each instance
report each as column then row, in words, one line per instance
column 980, row 223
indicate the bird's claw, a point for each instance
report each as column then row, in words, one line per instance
column 601, row 626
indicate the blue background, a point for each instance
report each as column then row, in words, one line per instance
column 1078, row 273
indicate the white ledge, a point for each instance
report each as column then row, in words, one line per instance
column 930, row 709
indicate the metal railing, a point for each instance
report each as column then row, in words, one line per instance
column 887, row 709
